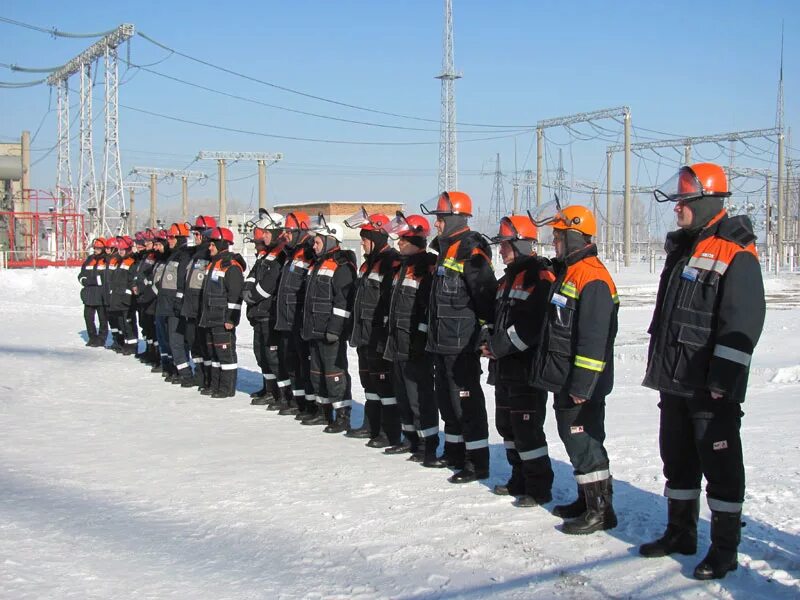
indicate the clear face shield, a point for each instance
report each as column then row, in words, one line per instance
column 398, row 226
column 357, row 220
column 438, row 204
column 682, row 186
column 547, row 213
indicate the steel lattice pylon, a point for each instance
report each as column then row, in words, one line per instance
column 64, row 193
column 448, row 150
column 87, row 182
column 112, row 205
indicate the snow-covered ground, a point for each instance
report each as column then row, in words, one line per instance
column 114, row 484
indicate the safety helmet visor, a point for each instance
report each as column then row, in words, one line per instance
column 397, row 226
column 546, row 213
column 509, row 231
column 438, row 205
column 357, row 219
column 682, row 186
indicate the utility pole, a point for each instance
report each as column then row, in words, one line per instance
column 609, row 209
column 448, row 149
column 539, row 156
column 132, row 187
column 155, row 173
column 264, row 160
column 627, row 213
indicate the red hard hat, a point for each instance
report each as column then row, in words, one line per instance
column 123, row 242
column 204, row 222
column 99, row 243
column 221, row 233
column 160, row 236
column 376, row 222
column 112, row 242
column 418, row 226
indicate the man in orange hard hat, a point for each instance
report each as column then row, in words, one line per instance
column 520, row 409
column 576, row 362
column 461, row 305
column 708, row 318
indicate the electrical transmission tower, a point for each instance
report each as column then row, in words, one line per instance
column 498, row 202
column 64, row 193
column 528, row 190
column 264, row 160
column 448, row 150
column 107, row 199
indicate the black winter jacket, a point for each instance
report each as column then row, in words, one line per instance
column 462, row 294
column 261, row 285
column 521, row 304
column 329, row 296
column 222, row 290
column 371, row 305
column 408, row 307
column 709, row 311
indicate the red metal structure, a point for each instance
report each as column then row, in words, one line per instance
column 50, row 235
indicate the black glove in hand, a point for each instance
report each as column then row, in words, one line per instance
column 331, row 338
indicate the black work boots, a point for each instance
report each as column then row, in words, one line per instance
column 726, row 533
column 599, row 513
column 681, row 533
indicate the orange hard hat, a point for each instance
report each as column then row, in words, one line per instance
column 448, row 203
column 692, row 182
column 297, row 220
column 455, row 203
column 178, row 230
column 576, row 218
column 517, row 227
column 99, row 243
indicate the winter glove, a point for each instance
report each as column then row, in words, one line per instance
column 331, row 338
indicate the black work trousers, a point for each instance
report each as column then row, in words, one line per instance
column 295, row 355
column 700, row 437
column 221, row 345
column 179, row 349
column 329, row 374
column 380, row 406
column 457, row 382
column 265, row 348
column 581, row 428
column 520, row 412
column 101, row 329
column 413, row 382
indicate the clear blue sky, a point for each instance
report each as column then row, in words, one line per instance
column 687, row 68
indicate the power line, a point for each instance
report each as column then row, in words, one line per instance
column 313, row 96
column 53, row 31
column 298, row 138
column 294, row 110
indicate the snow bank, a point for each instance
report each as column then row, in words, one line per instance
column 787, row 375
